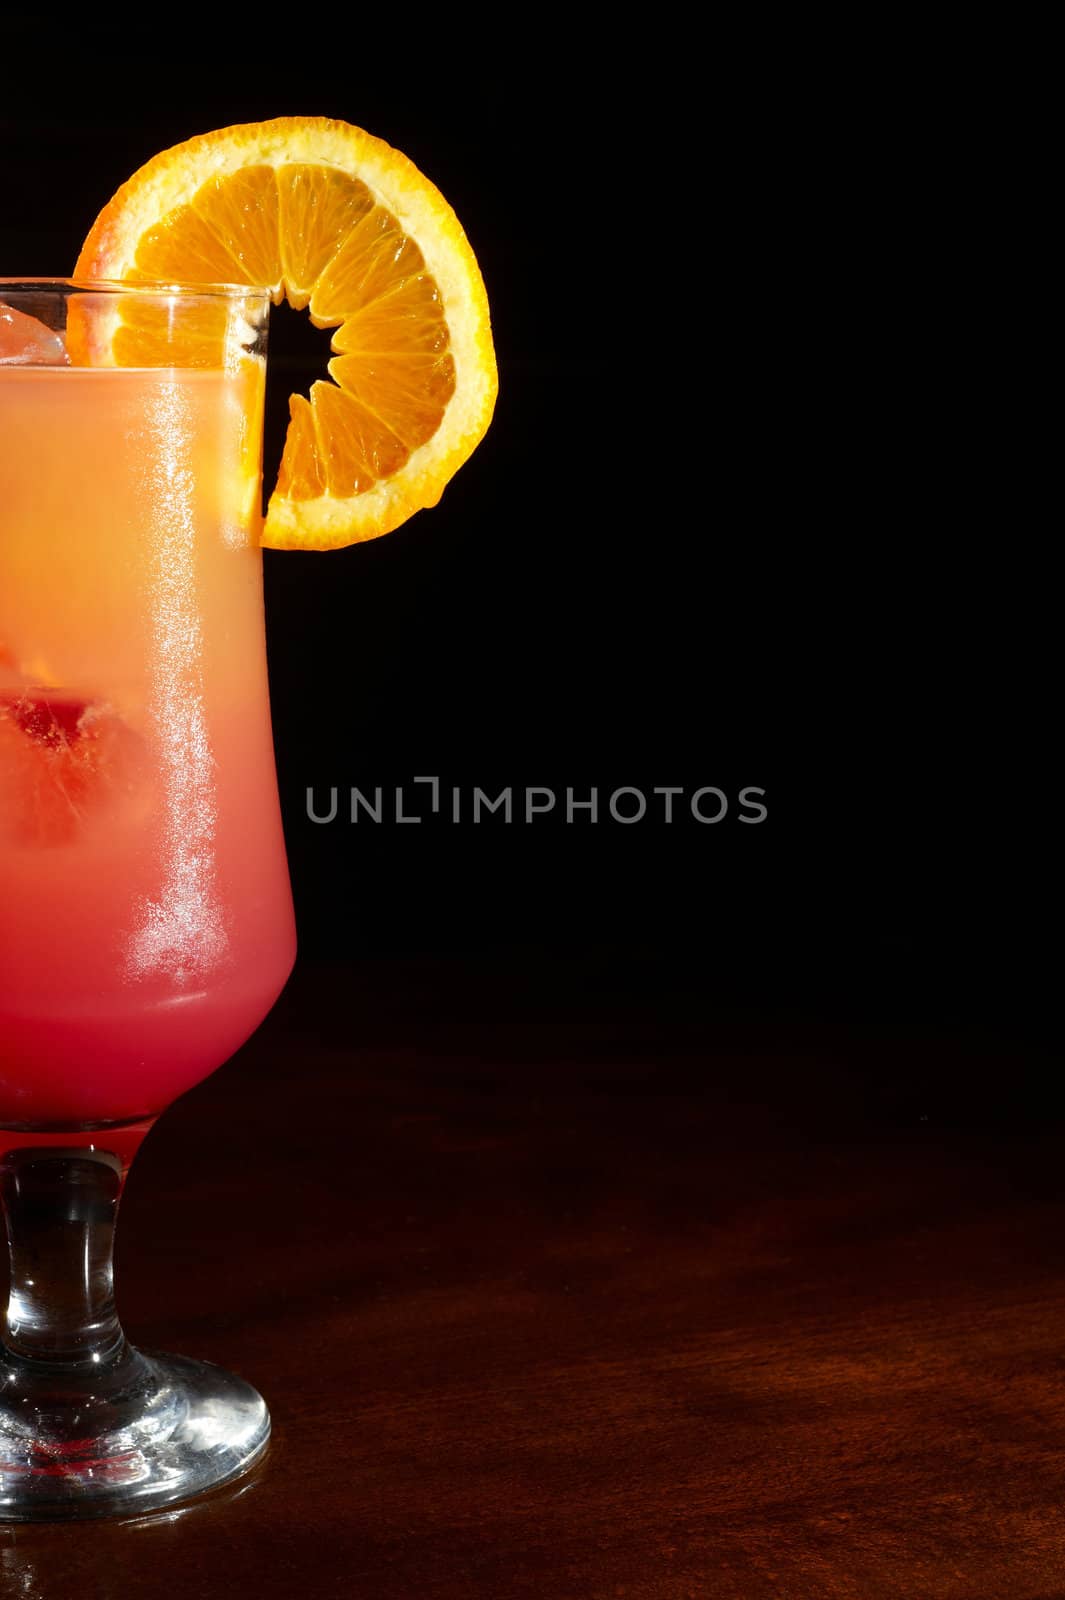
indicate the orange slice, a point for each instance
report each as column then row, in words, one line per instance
column 330, row 218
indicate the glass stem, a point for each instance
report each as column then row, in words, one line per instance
column 61, row 1206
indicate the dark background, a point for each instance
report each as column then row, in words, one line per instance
column 743, row 517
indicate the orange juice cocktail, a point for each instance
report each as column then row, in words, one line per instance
column 145, row 916
column 146, row 922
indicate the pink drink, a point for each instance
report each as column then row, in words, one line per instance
column 146, row 922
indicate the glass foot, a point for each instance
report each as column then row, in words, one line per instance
column 168, row 1430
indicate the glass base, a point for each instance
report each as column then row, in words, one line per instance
column 169, row 1430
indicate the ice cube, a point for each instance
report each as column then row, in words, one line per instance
column 64, row 760
column 26, row 342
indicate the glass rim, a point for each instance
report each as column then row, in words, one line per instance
column 157, row 288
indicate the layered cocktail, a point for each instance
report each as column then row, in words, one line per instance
column 146, row 920
column 146, row 923
column 145, row 915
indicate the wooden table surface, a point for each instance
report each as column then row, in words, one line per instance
column 596, row 1296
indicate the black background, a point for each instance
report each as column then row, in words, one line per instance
column 740, row 518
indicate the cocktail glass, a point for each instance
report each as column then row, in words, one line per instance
column 146, row 921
